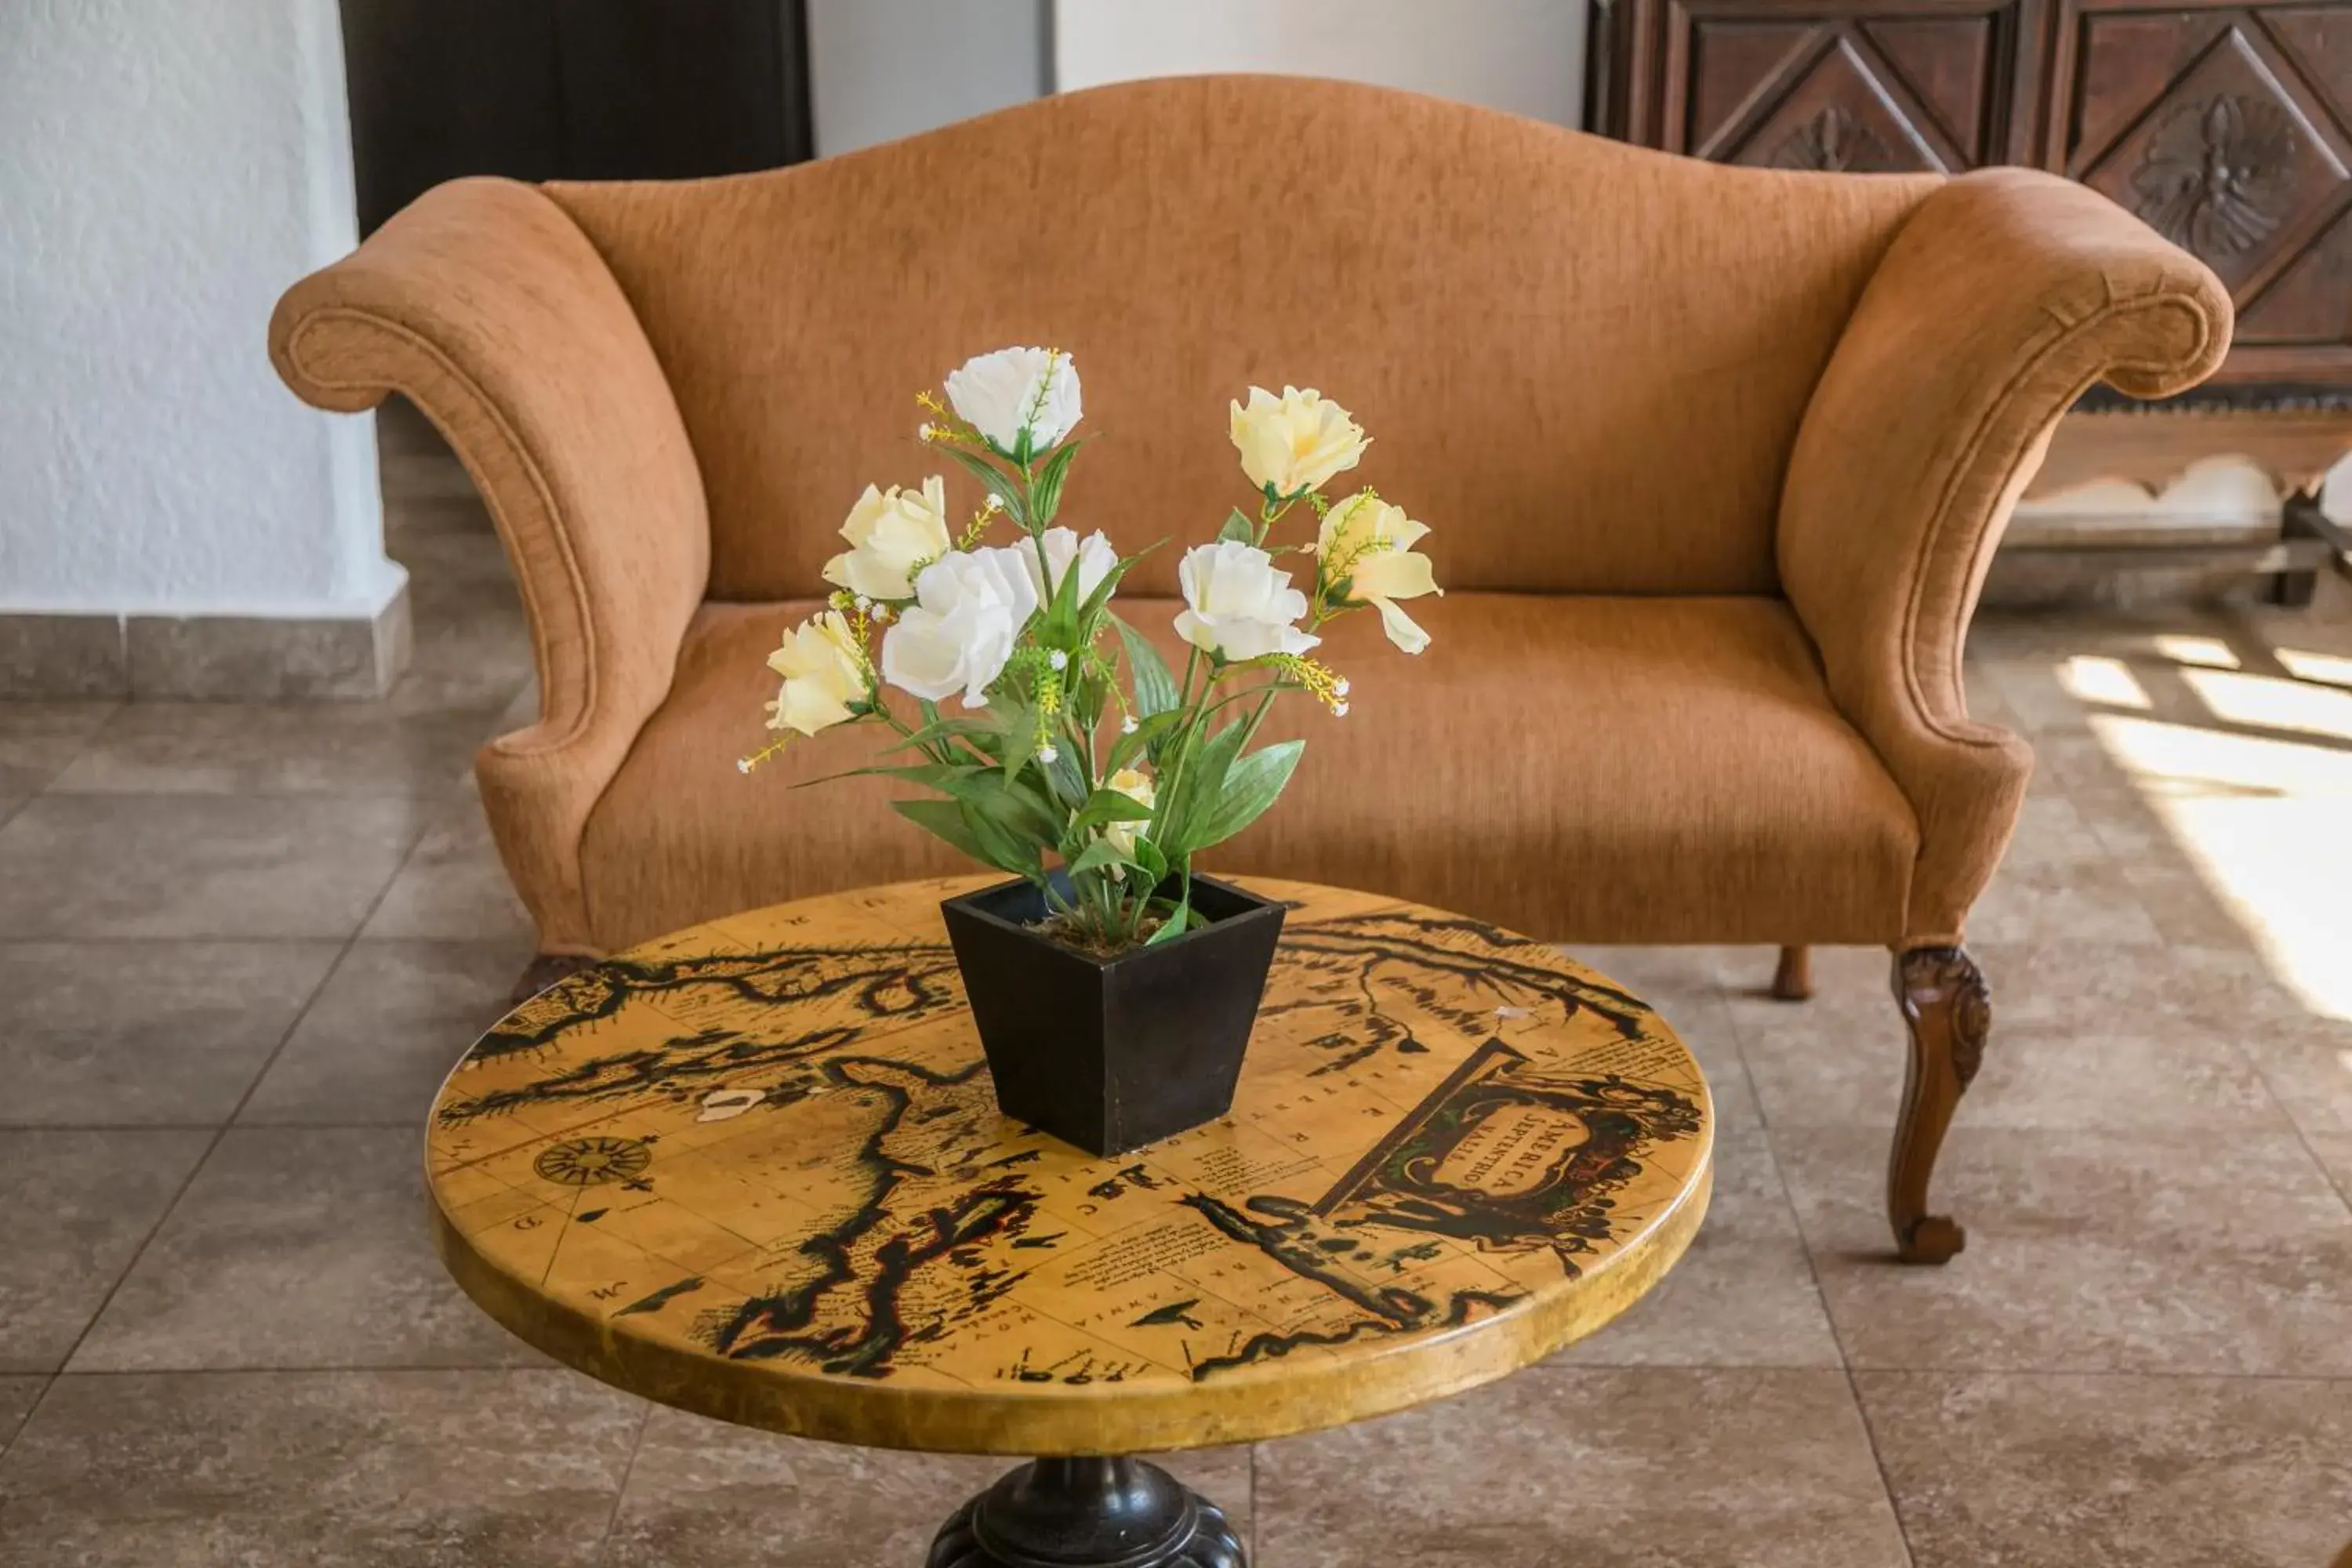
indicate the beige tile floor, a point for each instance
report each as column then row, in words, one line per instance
column 239, row 945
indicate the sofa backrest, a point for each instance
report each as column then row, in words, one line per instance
column 1582, row 364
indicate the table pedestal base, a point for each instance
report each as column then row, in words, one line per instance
column 1087, row 1513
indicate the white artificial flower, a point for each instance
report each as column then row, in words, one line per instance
column 1238, row 604
column 1001, row 393
column 1137, row 786
column 1368, row 543
column 1294, row 443
column 969, row 608
column 1095, row 558
column 891, row 533
column 824, row 670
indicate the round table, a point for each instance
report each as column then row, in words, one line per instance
column 755, row 1170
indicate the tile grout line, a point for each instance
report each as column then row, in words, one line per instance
column 219, row 1134
column 1812, row 1270
column 629, row 1473
column 2326, row 1173
column 47, row 1382
column 1254, row 1448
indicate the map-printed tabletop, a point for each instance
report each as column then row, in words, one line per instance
column 755, row 1170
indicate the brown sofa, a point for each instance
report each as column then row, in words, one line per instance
column 1716, row 460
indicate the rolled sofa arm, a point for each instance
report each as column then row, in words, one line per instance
column 2006, row 296
column 487, row 307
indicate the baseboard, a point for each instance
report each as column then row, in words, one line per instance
column 195, row 658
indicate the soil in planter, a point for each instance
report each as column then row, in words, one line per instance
column 1061, row 930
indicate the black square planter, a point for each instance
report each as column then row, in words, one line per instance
column 1112, row 1054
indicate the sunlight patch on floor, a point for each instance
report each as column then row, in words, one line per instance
column 2095, row 677
column 2266, row 703
column 2181, row 648
column 2333, row 669
column 2267, row 825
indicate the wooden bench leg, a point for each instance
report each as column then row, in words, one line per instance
column 1948, row 1010
column 1793, row 981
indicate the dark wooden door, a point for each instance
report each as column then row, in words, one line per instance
column 570, row 90
column 2225, row 128
column 1862, row 85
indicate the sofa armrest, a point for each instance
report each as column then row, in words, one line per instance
column 2005, row 297
column 486, row 305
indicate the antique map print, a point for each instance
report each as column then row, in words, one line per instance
column 772, row 1139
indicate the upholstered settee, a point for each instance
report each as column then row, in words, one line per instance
column 1715, row 458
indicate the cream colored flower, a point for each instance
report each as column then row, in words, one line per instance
column 1003, row 393
column 1137, row 786
column 824, row 672
column 1093, row 558
column 1294, row 443
column 891, row 533
column 1237, row 604
column 1366, row 544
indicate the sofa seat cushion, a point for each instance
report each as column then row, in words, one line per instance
column 1584, row 769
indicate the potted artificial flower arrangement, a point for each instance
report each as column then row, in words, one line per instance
column 1113, row 988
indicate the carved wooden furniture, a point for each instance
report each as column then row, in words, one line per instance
column 1853, row 86
column 755, row 1170
column 2227, row 127
column 2295, row 441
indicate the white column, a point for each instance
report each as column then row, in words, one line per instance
column 170, row 167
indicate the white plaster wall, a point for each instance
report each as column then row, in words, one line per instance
column 880, row 70
column 1524, row 56
column 167, row 167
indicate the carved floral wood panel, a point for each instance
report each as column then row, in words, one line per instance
column 1838, row 85
column 2225, row 128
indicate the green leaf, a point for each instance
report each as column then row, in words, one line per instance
column 1239, row 526
column 1062, row 616
column 1107, row 806
column 1154, row 864
column 945, row 820
column 1021, row 806
column 931, row 775
column 1155, row 689
column 1102, row 852
column 1147, row 734
column 1202, row 785
column 1006, row 486
column 1015, row 804
column 969, row 833
column 1006, row 850
column 947, row 730
column 1050, row 479
column 1062, row 775
column 1251, row 786
column 1016, row 728
column 1178, row 918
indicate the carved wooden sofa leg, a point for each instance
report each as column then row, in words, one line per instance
column 1793, row 981
column 1948, row 1010
column 545, row 971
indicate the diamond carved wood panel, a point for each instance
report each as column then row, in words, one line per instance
column 1839, row 85
column 1830, row 99
column 2224, row 128
column 2226, row 123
